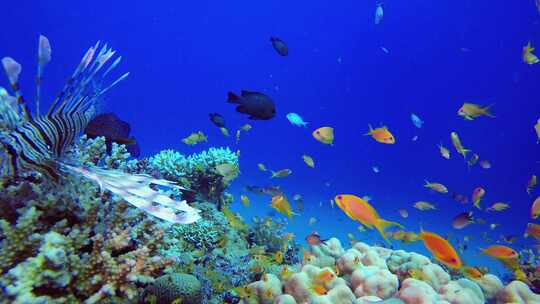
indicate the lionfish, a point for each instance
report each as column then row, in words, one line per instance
column 30, row 144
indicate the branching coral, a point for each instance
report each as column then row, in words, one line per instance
column 196, row 172
column 67, row 242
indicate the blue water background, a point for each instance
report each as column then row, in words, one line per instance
column 185, row 56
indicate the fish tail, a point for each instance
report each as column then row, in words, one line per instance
column 487, row 111
column 273, row 173
column 370, row 131
column 427, row 183
column 464, row 152
column 233, row 98
column 381, row 224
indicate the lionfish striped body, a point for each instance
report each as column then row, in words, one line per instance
column 37, row 143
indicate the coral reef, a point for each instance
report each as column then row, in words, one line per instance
column 197, row 172
column 171, row 287
column 68, row 242
column 371, row 274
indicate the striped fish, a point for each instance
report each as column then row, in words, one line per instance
column 37, row 144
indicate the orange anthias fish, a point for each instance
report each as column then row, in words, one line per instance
column 441, row 249
column 319, row 289
column 528, row 56
column 477, row 195
column 324, row 276
column 360, row 210
column 314, row 239
column 472, row 273
column 533, row 230
column 381, row 135
column 470, row 111
column 535, row 209
column 324, row 135
column 281, row 204
column 500, row 252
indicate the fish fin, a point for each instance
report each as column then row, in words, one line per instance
column 464, row 152
column 487, row 111
column 233, row 98
column 427, row 183
column 380, row 224
column 247, row 93
column 370, row 131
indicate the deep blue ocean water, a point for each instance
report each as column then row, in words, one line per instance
column 185, row 57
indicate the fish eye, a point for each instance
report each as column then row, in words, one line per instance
column 339, row 197
column 318, row 132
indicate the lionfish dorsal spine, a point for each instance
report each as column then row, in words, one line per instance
column 44, row 57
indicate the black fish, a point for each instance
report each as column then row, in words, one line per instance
column 279, row 46
column 268, row 190
column 217, row 119
column 113, row 129
column 257, row 105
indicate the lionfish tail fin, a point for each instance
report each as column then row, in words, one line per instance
column 136, row 190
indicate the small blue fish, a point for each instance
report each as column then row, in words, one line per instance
column 417, row 121
column 379, row 13
column 296, row 120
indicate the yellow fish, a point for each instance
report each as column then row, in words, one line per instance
column 285, row 273
column 246, row 127
column 470, row 111
column 224, row 131
column 281, row 173
column 228, row 171
column 457, row 144
column 528, row 56
column 359, row 210
column 245, row 200
column 324, row 135
column 237, row 136
column 281, row 204
column 195, row 138
column 444, row 152
column 308, row 160
column 278, row 257
column 438, row 187
column 499, row 206
column 424, row 206
column 261, row 167
column 418, row 274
